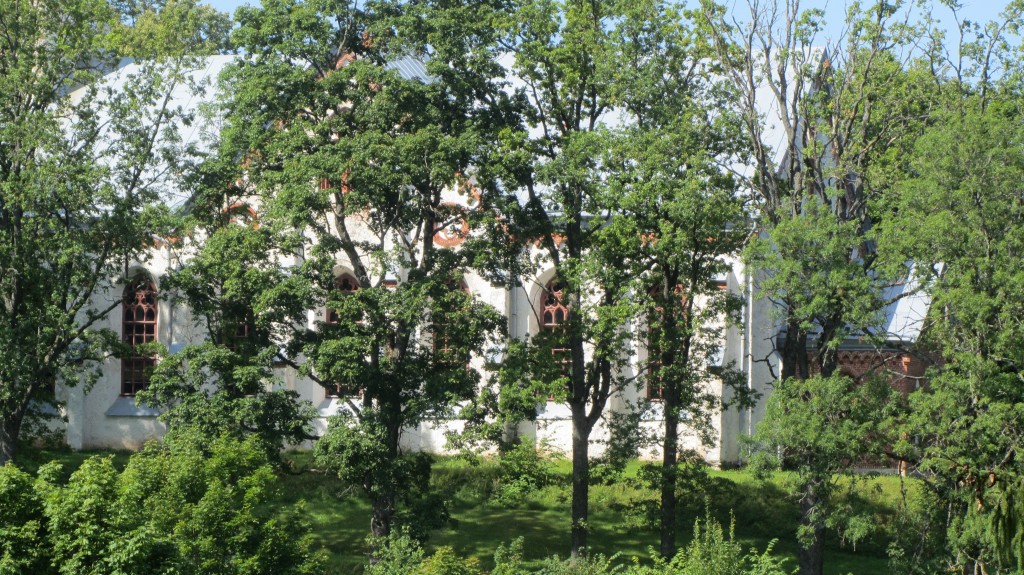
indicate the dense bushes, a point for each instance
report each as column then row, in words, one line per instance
column 173, row 509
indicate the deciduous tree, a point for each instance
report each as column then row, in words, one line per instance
column 824, row 160
column 78, row 195
column 685, row 214
column 358, row 141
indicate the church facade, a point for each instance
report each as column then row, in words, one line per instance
column 106, row 415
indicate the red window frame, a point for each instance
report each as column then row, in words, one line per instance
column 346, row 284
column 139, row 323
column 554, row 315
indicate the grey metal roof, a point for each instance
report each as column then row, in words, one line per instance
column 179, row 142
column 410, row 68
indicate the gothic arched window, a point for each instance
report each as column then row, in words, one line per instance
column 345, row 285
column 138, row 326
column 554, row 315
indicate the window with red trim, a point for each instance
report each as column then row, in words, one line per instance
column 554, row 315
column 442, row 339
column 138, row 326
column 343, row 285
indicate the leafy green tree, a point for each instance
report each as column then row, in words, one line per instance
column 820, row 428
column 686, row 217
column 78, row 200
column 564, row 56
column 966, row 424
column 346, row 149
column 152, row 28
column 962, row 209
column 246, row 303
column 823, row 169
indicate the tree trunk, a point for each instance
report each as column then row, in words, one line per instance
column 382, row 503
column 811, row 558
column 794, row 351
column 669, row 462
column 10, row 427
column 383, row 510
column 580, row 479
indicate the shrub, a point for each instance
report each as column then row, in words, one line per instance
column 522, row 470
column 172, row 510
column 23, row 546
column 712, row 553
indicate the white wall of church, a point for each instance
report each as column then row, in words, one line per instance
column 104, row 418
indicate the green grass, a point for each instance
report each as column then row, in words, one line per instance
column 620, row 514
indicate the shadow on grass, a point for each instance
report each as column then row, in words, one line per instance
column 622, row 515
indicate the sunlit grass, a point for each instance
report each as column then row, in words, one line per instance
column 622, row 514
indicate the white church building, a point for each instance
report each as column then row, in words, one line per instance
column 107, row 415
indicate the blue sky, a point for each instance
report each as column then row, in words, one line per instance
column 976, row 10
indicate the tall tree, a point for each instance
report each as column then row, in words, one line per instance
column 562, row 57
column 246, row 302
column 364, row 150
column 78, row 195
column 151, row 28
column 686, row 216
column 822, row 163
column 963, row 201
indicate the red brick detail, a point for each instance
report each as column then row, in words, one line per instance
column 904, row 371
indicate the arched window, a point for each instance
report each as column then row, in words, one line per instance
column 554, row 315
column 138, row 326
column 344, row 284
column 554, row 311
column 242, row 214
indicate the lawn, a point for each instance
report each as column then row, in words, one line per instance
column 620, row 513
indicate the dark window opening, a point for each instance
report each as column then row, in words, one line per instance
column 138, row 326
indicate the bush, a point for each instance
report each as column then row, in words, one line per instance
column 401, row 554
column 23, row 546
column 712, row 553
column 522, row 470
column 172, row 510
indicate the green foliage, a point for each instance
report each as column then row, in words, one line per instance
column 153, row 29
column 23, row 547
column 918, row 538
column 396, row 554
column 245, row 303
column 820, row 428
column 966, row 422
column 712, row 552
column 353, row 178
column 355, row 451
column 79, row 205
column 400, row 554
column 522, row 469
column 173, row 509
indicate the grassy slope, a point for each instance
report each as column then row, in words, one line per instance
column 761, row 511
column 339, row 515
